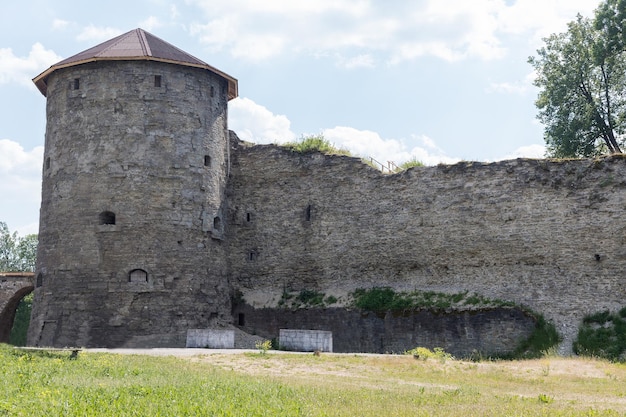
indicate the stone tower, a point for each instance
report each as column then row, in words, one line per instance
column 135, row 168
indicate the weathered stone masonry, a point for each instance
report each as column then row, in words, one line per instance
column 546, row 234
column 155, row 220
column 131, row 217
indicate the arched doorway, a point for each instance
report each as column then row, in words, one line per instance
column 21, row 301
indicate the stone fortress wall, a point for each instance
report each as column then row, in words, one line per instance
column 546, row 234
column 156, row 220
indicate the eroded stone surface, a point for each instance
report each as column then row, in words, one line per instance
column 153, row 219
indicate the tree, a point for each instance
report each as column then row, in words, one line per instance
column 16, row 254
column 582, row 79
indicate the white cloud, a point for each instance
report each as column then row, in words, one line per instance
column 508, row 88
column 174, row 13
column 393, row 32
column 20, row 186
column 151, row 23
column 530, row 151
column 368, row 144
column 539, row 18
column 515, row 87
column 258, row 47
column 95, row 34
column 60, row 24
column 21, row 69
column 359, row 61
column 14, row 159
column 255, row 123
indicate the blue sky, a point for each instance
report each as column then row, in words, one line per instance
column 436, row 80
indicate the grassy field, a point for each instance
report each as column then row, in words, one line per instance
column 253, row 384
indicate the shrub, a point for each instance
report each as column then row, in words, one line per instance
column 385, row 299
column 374, row 299
column 331, row 299
column 598, row 318
column 310, row 297
column 543, row 338
column 425, row 353
column 263, row 346
column 413, row 162
column 316, row 143
column 602, row 335
column 305, row 298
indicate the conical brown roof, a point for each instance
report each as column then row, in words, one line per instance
column 135, row 45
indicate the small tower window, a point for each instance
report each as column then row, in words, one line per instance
column 217, row 223
column 248, row 217
column 207, row 160
column 212, row 91
column 76, row 84
column 107, row 217
column 252, row 256
column 137, row 275
column 157, row 81
column 307, row 213
column 39, row 282
column 241, row 319
column 48, row 163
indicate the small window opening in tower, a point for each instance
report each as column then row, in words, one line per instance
column 248, row 217
column 207, row 161
column 48, row 163
column 212, row 91
column 241, row 319
column 76, row 83
column 307, row 214
column 39, row 282
column 252, row 256
column 107, row 217
column 217, row 223
column 157, row 81
column 137, row 275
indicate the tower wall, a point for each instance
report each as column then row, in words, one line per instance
column 135, row 165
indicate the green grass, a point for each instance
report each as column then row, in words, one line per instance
column 413, row 162
column 316, row 143
column 97, row 384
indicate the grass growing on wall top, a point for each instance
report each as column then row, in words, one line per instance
column 413, row 162
column 316, row 143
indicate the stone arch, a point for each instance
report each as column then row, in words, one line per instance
column 8, row 309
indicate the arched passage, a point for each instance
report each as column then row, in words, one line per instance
column 13, row 288
column 7, row 316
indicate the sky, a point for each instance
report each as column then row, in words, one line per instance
column 439, row 81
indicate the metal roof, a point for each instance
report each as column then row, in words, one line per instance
column 135, row 45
